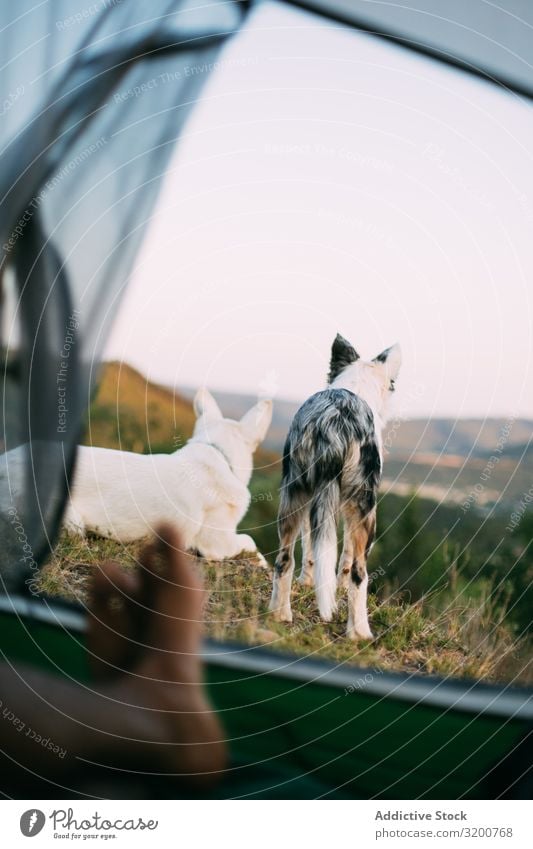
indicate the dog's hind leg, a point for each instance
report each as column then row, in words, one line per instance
column 359, row 489
column 345, row 563
column 362, row 532
column 307, row 571
column 289, row 521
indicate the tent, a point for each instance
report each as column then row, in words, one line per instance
column 73, row 86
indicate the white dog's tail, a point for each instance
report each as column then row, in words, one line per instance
column 323, row 515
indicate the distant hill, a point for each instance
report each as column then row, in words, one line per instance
column 477, row 437
column 130, row 412
column 441, row 459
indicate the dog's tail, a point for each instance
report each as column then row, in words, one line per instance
column 323, row 516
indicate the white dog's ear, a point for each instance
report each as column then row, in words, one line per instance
column 391, row 358
column 205, row 405
column 256, row 422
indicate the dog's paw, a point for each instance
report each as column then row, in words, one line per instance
column 359, row 633
column 280, row 614
column 262, row 563
column 245, row 545
column 305, row 579
column 285, row 616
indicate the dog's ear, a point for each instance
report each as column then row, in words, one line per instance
column 256, row 422
column 391, row 359
column 342, row 355
column 205, row 405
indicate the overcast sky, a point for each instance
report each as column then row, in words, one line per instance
column 330, row 182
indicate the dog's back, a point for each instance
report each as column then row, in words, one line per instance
column 332, row 440
column 331, row 459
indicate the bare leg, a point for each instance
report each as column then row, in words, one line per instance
column 363, row 532
column 306, row 574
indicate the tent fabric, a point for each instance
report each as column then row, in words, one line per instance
column 94, row 99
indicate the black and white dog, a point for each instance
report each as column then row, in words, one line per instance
column 332, row 465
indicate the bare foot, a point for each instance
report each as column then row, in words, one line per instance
column 114, row 625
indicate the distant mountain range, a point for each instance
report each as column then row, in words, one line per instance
column 440, row 458
column 463, row 437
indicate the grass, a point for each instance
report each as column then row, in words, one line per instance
column 443, row 634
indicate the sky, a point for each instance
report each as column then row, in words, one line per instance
column 330, row 182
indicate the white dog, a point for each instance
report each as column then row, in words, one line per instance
column 202, row 488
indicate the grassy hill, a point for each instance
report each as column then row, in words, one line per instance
column 446, row 634
column 451, row 590
column 132, row 413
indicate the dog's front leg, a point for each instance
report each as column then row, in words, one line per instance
column 345, row 564
column 290, row 517
column 280, row 602
column 362, row 535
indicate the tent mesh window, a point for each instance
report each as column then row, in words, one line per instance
column 98, row 100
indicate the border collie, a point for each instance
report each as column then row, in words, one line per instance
column 332, row 465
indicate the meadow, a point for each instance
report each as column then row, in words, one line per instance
column 450, row 592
